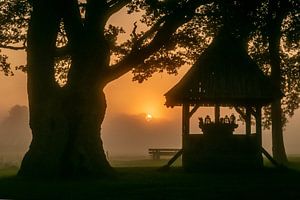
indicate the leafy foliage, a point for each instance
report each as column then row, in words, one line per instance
column 4, row 65
column 192, row 25
column 289, row 55
column 14, row 16
column 184, row 45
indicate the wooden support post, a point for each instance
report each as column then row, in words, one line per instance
column 194, row 109
column 185, row 122
column 271, row 159
column 217, row 113
column 185, row 129
column 248, row 121
column 258, row 124
column 173, row 159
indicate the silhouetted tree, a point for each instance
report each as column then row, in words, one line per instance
column 72, row 54
column 276, row 49
column 269, row 29
column 71, row 40
column 13, row 20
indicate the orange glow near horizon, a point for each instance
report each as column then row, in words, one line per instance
column 125, row 96
column 148, row 117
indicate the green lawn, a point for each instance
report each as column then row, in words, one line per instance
column 136, row 181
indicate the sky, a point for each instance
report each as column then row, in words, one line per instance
column 126, row 130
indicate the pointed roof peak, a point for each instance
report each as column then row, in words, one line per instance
column 224, row 74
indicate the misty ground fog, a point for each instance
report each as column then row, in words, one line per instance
column 15, row 134
column 124, row 135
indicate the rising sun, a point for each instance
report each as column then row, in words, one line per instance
column 148, row 117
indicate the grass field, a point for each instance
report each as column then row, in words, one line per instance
column 139, row 179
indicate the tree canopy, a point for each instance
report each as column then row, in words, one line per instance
column 178, row 31
column 72, row 53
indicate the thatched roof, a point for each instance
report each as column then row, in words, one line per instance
column 223, row 74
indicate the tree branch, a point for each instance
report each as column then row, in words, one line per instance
column 115, row 6
column 73, row 24
column 63, row 51
column 136, row 57
column 96, row 14
column 12, row 47
column 164, row 28
column 241, row 112
column 140, row 53
column 147, row 34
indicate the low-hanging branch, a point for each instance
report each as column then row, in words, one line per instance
column 163, row 30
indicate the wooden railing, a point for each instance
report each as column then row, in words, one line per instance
column 156, row 153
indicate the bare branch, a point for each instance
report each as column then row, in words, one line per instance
column 134, row 31
column 147, row 34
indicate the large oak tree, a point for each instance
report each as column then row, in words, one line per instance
column 73, row 53
column 71, row 36
column 276, row 49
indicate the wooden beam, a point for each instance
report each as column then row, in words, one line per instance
column 253, row 112
column 173, row 159
column 258, row 124
column 217, row 113
column 185, row 119
column 248, row 121
column 194, row 109
column 185, row 123
column 246, row 116
column 241, row 112
column 271, row 159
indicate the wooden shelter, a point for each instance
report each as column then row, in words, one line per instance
column 224, row 75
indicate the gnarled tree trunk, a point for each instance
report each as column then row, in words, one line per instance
column 66, row 138
column 83, row 153
column 65, row 122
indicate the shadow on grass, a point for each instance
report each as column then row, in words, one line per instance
column 148, row 183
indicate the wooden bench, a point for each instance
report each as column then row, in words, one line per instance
column 156, row 153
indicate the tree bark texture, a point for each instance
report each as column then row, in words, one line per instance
column 278, row 148
column 65, row 122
